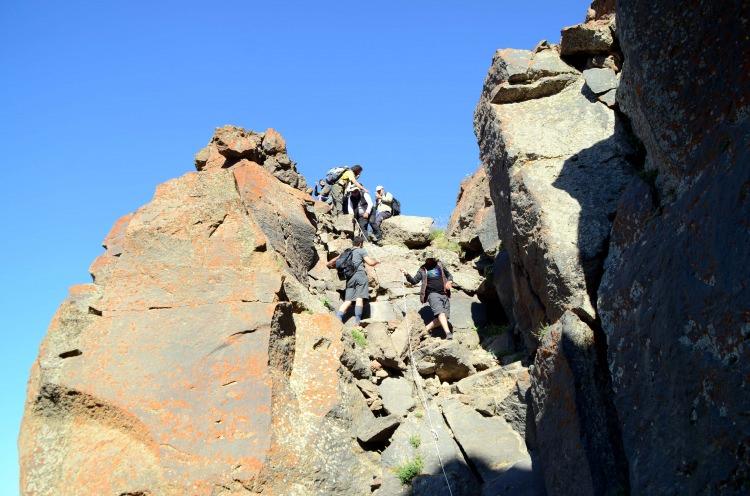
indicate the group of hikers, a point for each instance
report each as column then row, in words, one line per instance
column 342, row 189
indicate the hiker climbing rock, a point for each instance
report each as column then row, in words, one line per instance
column 361, row 206
column 386, row 207
column 340, row 178
column 436, row 287
column 322, row 191
column 350, row 266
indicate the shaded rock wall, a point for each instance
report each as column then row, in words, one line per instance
column 624, row 214
column 675, row 297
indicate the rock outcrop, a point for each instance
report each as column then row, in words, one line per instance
column 600, row 308
column 675, row 295
column 619, row 189
column 204, row 358
column 231, row 145
column 473, row 224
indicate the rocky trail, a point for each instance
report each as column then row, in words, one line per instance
column 455, row 405
column 601, row 312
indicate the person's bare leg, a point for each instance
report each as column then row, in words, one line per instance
column 342, row 310
column 433, row 324
column 358, row 308
column 444, row 324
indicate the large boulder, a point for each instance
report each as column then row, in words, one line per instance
column 424, row 434
column 397, row 396
column 674, row 296
column 578, row 441
column 556, row 167
column 408, row 230
column 448, row 360
column 184, row 369
column 472, row 432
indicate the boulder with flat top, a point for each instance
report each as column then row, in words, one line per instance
column 408, row 230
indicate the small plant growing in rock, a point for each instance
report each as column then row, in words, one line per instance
column 542, row 331
column 359, row 337
column 410, row 469
column 439, row 239
column 419, row 414
column 327, row 304
column 415, row 441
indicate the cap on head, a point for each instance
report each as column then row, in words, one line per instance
column 430, row 253
column 378, row 188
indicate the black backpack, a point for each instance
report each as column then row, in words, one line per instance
column 345, row 264
column 395, row 207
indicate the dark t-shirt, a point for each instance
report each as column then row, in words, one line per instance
column 434, row 278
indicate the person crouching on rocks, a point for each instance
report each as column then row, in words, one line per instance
column 436, row 289
column 350, row 266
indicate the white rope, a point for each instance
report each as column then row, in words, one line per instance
column 420, row 394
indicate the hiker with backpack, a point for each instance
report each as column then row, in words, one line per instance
column 322, row 191
column 340, row 178
column 360, row 205
column 386, row 206
column 437, row 283
column 350, row 266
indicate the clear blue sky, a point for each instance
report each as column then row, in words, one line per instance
column 101, row 101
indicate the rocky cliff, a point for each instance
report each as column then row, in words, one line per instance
column 204, row 358
column 601, row 309
column 618, row 170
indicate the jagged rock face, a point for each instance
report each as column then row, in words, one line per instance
column 231, row 144
column 557, row 163
column 473, row 222
column 204, row 358
column 180, row 370
column 674, row 298
column 577, row 446
column 637, row 382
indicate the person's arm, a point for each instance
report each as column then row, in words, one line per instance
column 449, row 277
column 370, row 261
column 332, row 263
column 368, row 200
column 359, row 185
column 412, row 280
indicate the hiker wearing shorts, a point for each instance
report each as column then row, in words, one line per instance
column 347, row 178
column 357, row 284
column 436, row 287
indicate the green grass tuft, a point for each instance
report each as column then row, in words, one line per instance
column 542, row 331
column 419, row 414
column 439, row 239
column 410, row 469
column 359, row 337
column 327, row 304
column 415, row 441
